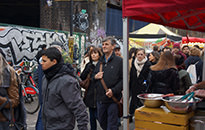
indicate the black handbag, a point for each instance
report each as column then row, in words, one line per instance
column 10, row 124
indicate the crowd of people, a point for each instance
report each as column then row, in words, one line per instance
column 161, row 71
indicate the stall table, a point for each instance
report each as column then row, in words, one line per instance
column 160, row 119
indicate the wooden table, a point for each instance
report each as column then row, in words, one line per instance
column 160, row 119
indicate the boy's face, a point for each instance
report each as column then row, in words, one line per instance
column 47, row 63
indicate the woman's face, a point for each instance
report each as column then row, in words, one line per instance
column 140, row 55
column 95, row 56
column 151, row 57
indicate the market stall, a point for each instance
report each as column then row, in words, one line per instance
column 191, row 41
column 185, row 14
column 152, row 35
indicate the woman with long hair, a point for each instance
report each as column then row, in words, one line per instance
column 164, row 76
column 90, row 96
column 138, row 76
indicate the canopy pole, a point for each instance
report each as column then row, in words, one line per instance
column 203, row 74
column 125, row 74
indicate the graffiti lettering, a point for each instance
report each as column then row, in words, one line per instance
column 24, row 43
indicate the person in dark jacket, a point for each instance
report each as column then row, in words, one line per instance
column 112, row 75
column 138, row 76
column 90, row 97
column 8, row 89
column 184, row 77
column 164, row 76
column 194, row 58
column 62, row 102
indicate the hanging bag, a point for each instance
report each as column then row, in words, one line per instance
column 85, row 83
column 192, row 72
column 10, row 124
column 119, row 103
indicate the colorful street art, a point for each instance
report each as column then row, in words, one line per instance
column 21, row 43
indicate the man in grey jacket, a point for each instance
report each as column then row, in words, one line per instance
column 62, row 102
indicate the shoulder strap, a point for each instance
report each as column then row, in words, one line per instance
column 4, row 104
column 105, row 86
column 196, row 63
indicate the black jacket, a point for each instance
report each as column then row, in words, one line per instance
column 164, row 81
column 112, row 76
column 90, row 98
column 199, row 66
column 137, row 85
column 62, row 102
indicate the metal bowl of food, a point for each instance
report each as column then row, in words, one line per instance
column 176, row 106
column 151, row 99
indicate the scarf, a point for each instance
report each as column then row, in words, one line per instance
column 139, row 65
column 52, row 71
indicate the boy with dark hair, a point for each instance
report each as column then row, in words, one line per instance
column 62, row 101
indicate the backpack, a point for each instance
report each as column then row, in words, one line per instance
column 192, row 73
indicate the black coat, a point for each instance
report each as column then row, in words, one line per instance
column 199, row 66
column 90, row 98
column 164, row 81
column 112, row 76
column 137, row 84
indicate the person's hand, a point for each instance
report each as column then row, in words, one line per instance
column 191, row 89
column 109, row 93
column 200, row 93
column 99, row 75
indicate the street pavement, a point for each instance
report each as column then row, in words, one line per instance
column 31, row 121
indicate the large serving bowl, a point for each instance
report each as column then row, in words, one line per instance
column 180, row 106
column 149, row 99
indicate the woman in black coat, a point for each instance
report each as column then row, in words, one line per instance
column 138, row 76
column 90, row 94
column 164, row 75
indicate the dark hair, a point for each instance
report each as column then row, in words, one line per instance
column 155, row 48
column 166, row 47
column 96, row 50
column 156, row 55
column 112, row 40
column 185, row 46
column 53, row 53
column 197, row 46
column 43, row 46
column 179, row 59
column 132, row 51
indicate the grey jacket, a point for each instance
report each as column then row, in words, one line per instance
column 62, row 104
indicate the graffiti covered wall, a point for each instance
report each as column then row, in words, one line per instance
column 19, row 43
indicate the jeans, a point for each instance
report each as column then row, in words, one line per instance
column 93, row 118
column 108, row 116
column 39, row 123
